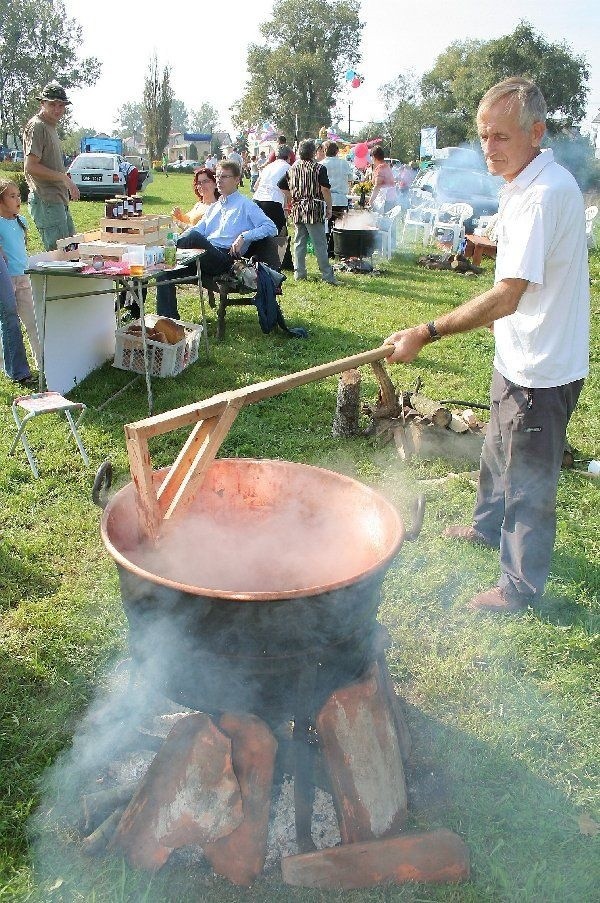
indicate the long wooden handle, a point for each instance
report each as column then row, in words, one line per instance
column 212, row 407
column 212, row 419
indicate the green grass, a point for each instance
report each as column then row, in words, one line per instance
column 504, row 713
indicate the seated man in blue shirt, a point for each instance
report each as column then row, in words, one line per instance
column 234, row 226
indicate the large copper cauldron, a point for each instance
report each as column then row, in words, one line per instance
column 239, row 576
column 310, row 592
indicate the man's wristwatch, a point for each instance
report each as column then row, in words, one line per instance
column 433, row 333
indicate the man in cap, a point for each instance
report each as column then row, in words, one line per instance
column 50, row 187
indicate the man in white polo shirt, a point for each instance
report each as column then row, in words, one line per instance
column 539, row 311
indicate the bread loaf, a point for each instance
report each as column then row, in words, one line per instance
column 173, row 331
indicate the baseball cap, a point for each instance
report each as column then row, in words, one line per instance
column 54, row 91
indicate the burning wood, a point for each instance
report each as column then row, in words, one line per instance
column 240, row 856
column 99, row 839
column 99, row 805
column 435, row 856
column 360, row 743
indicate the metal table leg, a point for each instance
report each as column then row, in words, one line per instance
column 202, row 307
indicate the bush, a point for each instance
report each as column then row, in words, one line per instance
column 15, row 172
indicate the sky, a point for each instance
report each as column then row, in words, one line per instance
column 207, row 67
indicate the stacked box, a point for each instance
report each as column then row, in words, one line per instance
column 136, row 230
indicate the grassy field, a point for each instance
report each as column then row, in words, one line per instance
column 504, row 712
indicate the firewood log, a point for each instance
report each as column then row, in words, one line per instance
column 345, row 422
column 433, row 410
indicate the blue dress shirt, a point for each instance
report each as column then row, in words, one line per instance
column 228, row 218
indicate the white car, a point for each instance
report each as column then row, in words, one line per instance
column 99, row 176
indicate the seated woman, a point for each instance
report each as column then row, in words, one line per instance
column 205, row 189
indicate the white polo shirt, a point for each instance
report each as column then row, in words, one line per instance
column 541, row 238
column 266, row 188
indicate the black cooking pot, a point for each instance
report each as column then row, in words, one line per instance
column 354, row 242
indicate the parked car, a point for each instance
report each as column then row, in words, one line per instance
column 99, row 176
column 183, row 166
column 439, row 185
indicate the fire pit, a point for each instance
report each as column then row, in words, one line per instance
column 255, row 607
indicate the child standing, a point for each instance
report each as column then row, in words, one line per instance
column 13, row 231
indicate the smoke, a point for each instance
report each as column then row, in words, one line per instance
column 357, row 219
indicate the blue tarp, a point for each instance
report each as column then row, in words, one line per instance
column 93, row 144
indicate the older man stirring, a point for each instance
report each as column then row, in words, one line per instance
column 539, row 311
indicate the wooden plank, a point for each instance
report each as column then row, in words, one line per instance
column 203, row 446
column 140, row 466
column 189, row 414
column 183, row 462
column 203, row 459
column 135, row 238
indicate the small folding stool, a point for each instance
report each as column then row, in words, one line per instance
column 45, row 403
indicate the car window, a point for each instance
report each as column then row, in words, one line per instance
column 92, row 161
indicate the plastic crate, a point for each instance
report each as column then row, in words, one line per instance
column 163, row 359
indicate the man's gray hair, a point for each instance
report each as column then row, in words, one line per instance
column 521, row 91
column 306, row 149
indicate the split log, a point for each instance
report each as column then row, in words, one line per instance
column 388, row 404
column 240, row 856
column 433, row 410
column 99, row 839
column 425, row 857
column 470, row 419
column 358, row 736
column 189, row 795
column 428, row 441
column 345, row 422
column 457, row 424
column 99, row 805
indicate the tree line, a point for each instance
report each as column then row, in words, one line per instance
column 296, row 77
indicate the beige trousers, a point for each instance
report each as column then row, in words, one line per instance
column 26, row 311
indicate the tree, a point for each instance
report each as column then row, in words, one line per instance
column 158, row 96
column 38, row 44
column 204, row 119
column 71, row 142
column 300, row 66
column 179, row 116
column 464, row 72
column 129, row 120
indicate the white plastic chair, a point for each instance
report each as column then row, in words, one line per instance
column 488, row 226
column 451, row 218
column 590, row 215
column 419, row 218
column 387, row 231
